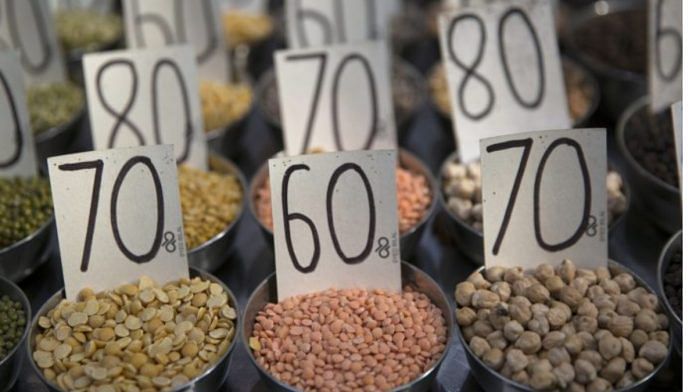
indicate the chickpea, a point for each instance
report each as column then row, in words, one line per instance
column 479, row 346
column 663, row 321
column 483, row 314
column 605, row 317
column 614, row 370
column 494, row 274
column 468, row 333
column 565, row 308
column 543, row 272
column 503, row 290
column 585, row 372
column 588, row 341
column 540, row 310
column 654, row 351
column 602, row 273
column 553, row 339
column 513, row 274
column 576, row 387
column 648, row 301
column 594, row 291
column 573, row 344
column 646, row 320
column 638, row 338
column 626, row 307
column 558, row 355
column 610, row 347
column 660, row 336
column 565, row 374
column 494, row 358
column 581, row 285
column 628, row 352
column 512, row 330
column 537, row 293
column 621, row 326
column 497, row 340
column 465, row 316
column 516, row 359
column 570, row 296
column 543, row 380
column 626, row 380
column 519, row 288
column 641, row 367
column 539, row 365
column 585, row 324
column 568, row 329
column 610, row 287
column 463, row 293
column 479, row 281
column 484, row 299
column 599, row 385
column 625, row 281
column 587, row 308
column 528, row 342
column 588, row 275
column 604, row 301
column 521, row 314
column 636, row 293
column 521, row 377
column 593, row 357
column 567, row 271
column 482, row 328
column 602, row 333
column 554, row 284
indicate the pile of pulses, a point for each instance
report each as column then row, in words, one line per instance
column 349, row 340
column 462, row 190
column 25, row 206
column 209, row 203
column 52, row 105
column 563, row 329
column 413, row 197
column 244, row 28
column 224, row 104
column 137, row 337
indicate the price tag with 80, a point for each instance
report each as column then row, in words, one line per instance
column 665, row 52
column 143, row 97
column 336, row 98
column 17, row 153
column 157, row 23
column 551, row 204
column 335, row 222
column 27, row 26
column 503, row 71
column 125, row 224
column 314, row 23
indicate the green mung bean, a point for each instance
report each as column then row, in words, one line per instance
column 12, row 322
column 25, row 205
column 51, row 105
column 87, row 30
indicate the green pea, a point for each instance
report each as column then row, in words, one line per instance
column 25, row 205
column 12, row 322
column 52, row 105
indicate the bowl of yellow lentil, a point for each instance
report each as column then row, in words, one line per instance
column 225, row 109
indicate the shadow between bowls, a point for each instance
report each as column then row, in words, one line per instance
column 12, row 363
column 58, row 140
column 210, row 380
column 660, row 202
column 267, row 291
column 408, row 241
column 22, row 258
column 673, row 245
column 210, row 255
column 492, row 381
column 469, row 241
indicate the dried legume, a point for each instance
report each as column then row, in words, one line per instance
column 87, row 30
column 13, row 320
column 25, row 206
column 349, row 340
column 673, row 282
column 564, row 328
column 118, row 339
column 243, row 28
column 650, row 140
column 224, row 104
column 210, row 201
column 51, row 105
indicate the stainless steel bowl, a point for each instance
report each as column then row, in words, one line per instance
column 491, row 380
column 210, row 255
column 20, row 259
column 266, row 293
column 210, row 380
column 469, row 241
column 674, row 244
column 59, row 139
column 619, row 87
column 658, row 201
column 12, row 363
column 409, row 240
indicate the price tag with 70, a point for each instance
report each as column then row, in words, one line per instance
column 551, row 204
column 126, row 223
column 503, row 71
column 335, row 222
column 665, row 52
column 336, row 98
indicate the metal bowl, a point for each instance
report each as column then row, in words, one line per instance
column 469, row 241
column 58, row 140
column 620, row 87
column 408, row 241
column 210, row 380
column 210, row 255
column 22, row 258
column 659, row 201
column 674, row 244
column 12, row 363
column 491, row 380
column 266, row 293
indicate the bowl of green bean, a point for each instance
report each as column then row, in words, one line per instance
column 15, row 312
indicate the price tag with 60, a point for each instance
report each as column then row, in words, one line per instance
column 665, row 52
column 126, row 223
column 335, row 222
column 551, row 204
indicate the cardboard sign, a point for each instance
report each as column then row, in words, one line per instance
column 335, row 222
column 312, row 23
column 545, row 198
column 27, row 26
column 250, row 6
column 677, row 118
column 143, row 97
column 665, row 52
column 17, row 152
column 503, row 71
column 336, row 98
column 157, row 23
column 118, row 216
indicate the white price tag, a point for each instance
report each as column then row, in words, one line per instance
column 336, row 98
column 250, row 6
column 118, row 216
column 157, row 23
column 503, row 71
column 335, row 222
column 17, row 153
column 313, row 23
column 27, row 26
column 143, row 97
column 677, row 118
column 665, row 52
column 103, row 6
column 545, row 198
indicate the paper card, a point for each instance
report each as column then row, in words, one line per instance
column 665, row 53
column 677, row 119
column 17, row 152
column 27, row 26
column 143, row 97
column 312, row 23
column 157, row 23
column 250, row 6
column 545, row 198
column 336, row 98
column 118, row 216
column 503, row 71
column 103, row 6
column 335, row 222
